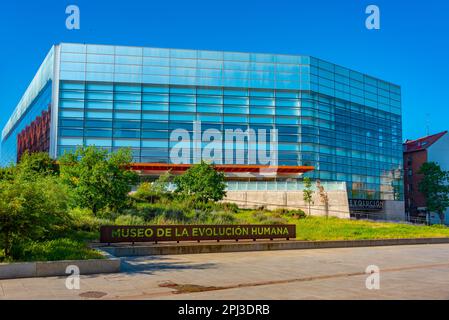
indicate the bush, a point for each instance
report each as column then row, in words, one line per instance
column 53, row 250
column 32, row 209
column 84, row 220
column 229, row 207
column 298, row 214
column 129, row 220
column 170, row 210
column 145, row 193
column 264, row 217
column 223, row 218
column 161, row 220
column 200, row 206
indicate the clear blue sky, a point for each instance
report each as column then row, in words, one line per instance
column 411, row 49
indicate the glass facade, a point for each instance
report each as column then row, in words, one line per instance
column 344, row 123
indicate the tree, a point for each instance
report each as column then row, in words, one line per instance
column 307, row 193
column 38, row 163
column 153, row 191
column 98, row 179
column 435, row 188
column 31, row 165
column 162, row 184
column 120, row 179
column 201, row 182
column 7, row 173
column 31, row 210
column 323, row 197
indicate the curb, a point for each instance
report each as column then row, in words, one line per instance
column 58, row 268
column 127, row 250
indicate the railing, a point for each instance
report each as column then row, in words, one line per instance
column 281, row 186
column 369, row 216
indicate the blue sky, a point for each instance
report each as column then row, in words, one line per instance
column 411, row 49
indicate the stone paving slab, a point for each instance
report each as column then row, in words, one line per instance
column 407, row 272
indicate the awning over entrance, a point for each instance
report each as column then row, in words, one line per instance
column 149, row 168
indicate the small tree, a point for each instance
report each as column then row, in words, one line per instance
column 202, row 182
column 98, row 179
column 30, row 166
column 121, row 178
column 37, row 163
column 323, row 197
column 31, row 209
column 152, row 191
column 435, row 188
column 161, row 185
column 307, row 193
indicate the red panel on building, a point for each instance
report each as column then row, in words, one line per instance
column 36, row 136
column 228, row 168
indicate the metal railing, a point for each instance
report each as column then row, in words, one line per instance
column 281, row 186
column 369, row 216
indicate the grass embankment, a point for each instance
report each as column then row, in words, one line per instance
column 74, row 246
column 308, row 228
column 321, row 228
column 52, row 250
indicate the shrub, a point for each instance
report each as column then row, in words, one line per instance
column 185, row 211
column 223, row 218
column 298, row 213
column 84, row 220
column 201, row 206
column 145, row 193
column 229, row 207
column 171, row 210
column 53, row 250
column 161, row 220
column 129, row 220
column 32, row 209
column 264, row 217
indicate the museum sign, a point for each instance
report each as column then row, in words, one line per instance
column 114, row 234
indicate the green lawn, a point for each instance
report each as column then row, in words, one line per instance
column 52, row 250
column 321, row 228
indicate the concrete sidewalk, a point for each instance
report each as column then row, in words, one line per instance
column 406, row 272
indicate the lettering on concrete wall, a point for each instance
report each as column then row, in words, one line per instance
column 364, row 204
column 112, row 234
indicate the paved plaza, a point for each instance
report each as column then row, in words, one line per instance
column 406, row 272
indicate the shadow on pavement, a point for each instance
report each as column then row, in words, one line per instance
column 150, row 264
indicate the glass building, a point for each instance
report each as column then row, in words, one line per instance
column 344, row 123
